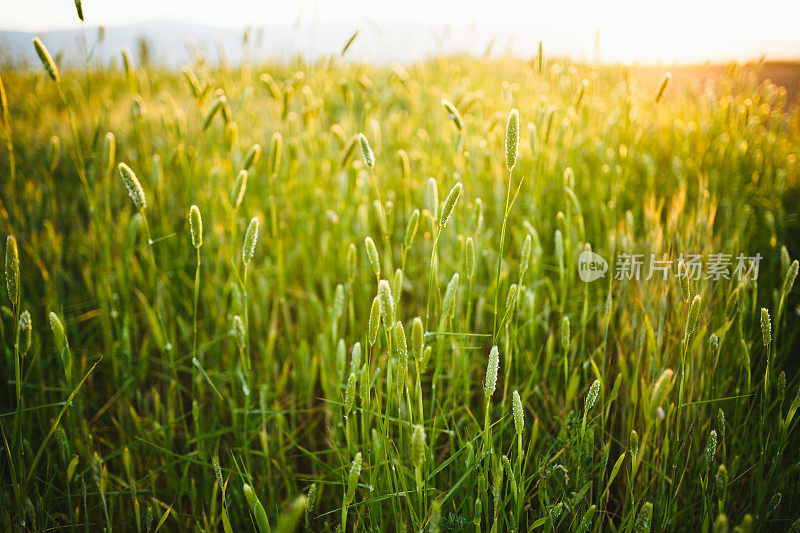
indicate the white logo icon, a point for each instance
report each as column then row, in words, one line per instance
column 591, row 266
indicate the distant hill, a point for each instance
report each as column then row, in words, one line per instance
column 378, row 41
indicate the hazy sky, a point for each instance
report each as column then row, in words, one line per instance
column 685, row 30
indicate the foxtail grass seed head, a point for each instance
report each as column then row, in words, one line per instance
column 79, row 9
column 59, row 335
column 644, row 519
column 12, row 269
column 250, row 239
column 591, row 396
column 633, row 445
column 722, row 482
column 411, row 229
column 239, row 331
column 135, row 190
column 372, row 256
column 661, row 387
column 401, row 355
column 694, row 313
column 374, row 320
column 426, row 356
column 418, row 445
column 239, row 188
column 711, row 449
column 558, row 245
column 347, row 151
column 417, row 338
column 432, row 198
column 516, row 408
column 713, row 344
column 387, row 304
column 453, row 113
column 732, row 306
column 196, row 227
column 110, row 152
column 397, row 286
column 216, row 105
column 525, row 256
column 766, row 327
column 350, row 394
column 683, row 279
column 3, row 106
column 788, row 280
column 436, row 517
column 470, row 257
column 366, row 151
column 512, row 139
column 25, row 330
column 565, row 333
column 251, row 157
column 311, row 498
column 276, row 147
column 450, row 204
column 46, row 59
column 491, row 372
column 352, row 479
column 662, row 89
column 586, row 521
column 448, row 302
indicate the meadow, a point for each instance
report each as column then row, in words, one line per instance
column 340, row 296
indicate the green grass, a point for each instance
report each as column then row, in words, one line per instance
column 227, row 388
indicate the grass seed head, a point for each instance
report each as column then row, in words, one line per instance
column 251, row 156
column 448, row 302
column 46, row 59
column 661, row 386
column 766, row 327
column 411, row 229
column 276, row 147
column 711, row 449
column 374, row 320
column 25, row 330
column 633, row 445
column 250, row 239
column 196, row 226
column 12, row 269
column 565, row 333
column 453, row 113
column 516, row 408
column 135, row 190
column 350, row 394
column 491, row 372
column 788, row 280
column 512, row 139
column 432, row 198
column 694, row 313
column 470, row 257
column 401, row 354
column 352, row 479
column 662, row 89
column 418, row 445
column 366, row 151
column 372, row 256
column 348, row 150
column 450, row 204
column 239, row 188
column 591, row 396
column 216, row 105
column 387, row 304
column 644, row 518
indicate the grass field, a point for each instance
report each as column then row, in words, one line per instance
column 391, row 332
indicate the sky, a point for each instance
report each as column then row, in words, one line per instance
column 643, row 30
